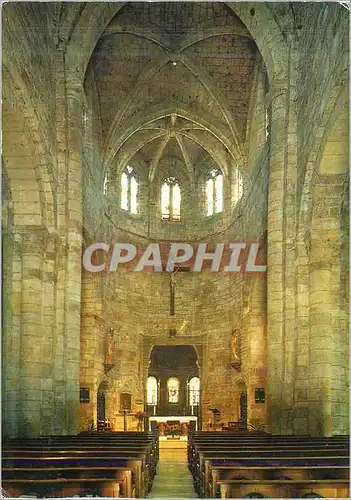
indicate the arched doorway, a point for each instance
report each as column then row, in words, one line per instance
column 173, row 388
column 101, row 404
column 243, row 409
column 240, row 400
column 171, row 370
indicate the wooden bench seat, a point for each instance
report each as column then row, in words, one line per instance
column 215, row 471
column 273, row 452
column 119, row 465
column 123, row 475
column 141, row 472
column 233, row 465
column 63, row 488
column 278, row 488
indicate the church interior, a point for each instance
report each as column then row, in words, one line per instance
column 201, row 124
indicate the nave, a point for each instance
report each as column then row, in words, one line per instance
column 173, row 479
column 131, row 130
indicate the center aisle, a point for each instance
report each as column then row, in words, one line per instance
column 173, row 478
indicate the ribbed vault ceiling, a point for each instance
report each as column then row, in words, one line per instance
column 174, row 80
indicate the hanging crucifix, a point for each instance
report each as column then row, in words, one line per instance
column 172, row 283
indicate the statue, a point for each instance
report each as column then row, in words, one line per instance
column 172, row 284
column 235, row 345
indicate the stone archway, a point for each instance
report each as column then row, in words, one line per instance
column 101, row 403
column 240, row 397
column 167, row 363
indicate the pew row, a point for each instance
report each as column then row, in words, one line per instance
column 234, row 466
column 59, row 466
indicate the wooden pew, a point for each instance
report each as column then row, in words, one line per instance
column 263, row 474
column 123, row 464
column 231, row 467
column 64, row 443
column 282, row 488
column 62, row 487
column 206, row 482
column 79, row 469
column 119, row 479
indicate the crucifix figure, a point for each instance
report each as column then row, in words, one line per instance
column 172, row 283
column 235, row 345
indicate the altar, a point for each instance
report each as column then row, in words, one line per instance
column 173, row 428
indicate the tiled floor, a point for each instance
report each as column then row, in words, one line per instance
column 173, row 479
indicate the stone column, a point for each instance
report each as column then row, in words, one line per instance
column 11, row 331
column 275, row 255
column 69, row 107
column 302, row 359
column 281, row 249
column 35, row 350
column 257, row 334
column 92, row 343
column 49, row 327
column 74, row 103
column 322, row 347
column 328, row 381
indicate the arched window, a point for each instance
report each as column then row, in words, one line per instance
column 214, row 192
column 129, row 190
column 237, row 186
column 106, row 183
column 194, row 391
column 170, row 199
column 240, row 186
column 266, row 124
column 173, row 390
column 267, row 110
column 152, row 391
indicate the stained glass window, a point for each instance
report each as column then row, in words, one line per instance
column 219, row 193
column 106, row 183
column 238, row 186
column 214, row 192
column 152, row 391
column 194, row 391
column 209, row 196
column 170, row 199
column 165, row 201
column 133, row 195
column 129, row 190
column 173, row 390
column 176, row 202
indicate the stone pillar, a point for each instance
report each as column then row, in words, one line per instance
column 11, row 331
column 92, row 352
column 69, row 106
column 49, row 327
column 322, row 347
column 275, row 255
column 302, row 359
column 218, row 375
column 35, row 350
column 74, row 96
column 328, row 380
column 257, row 334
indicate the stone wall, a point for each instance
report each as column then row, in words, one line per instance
column 42, row 241
column 266, row 97
column 208, row 306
